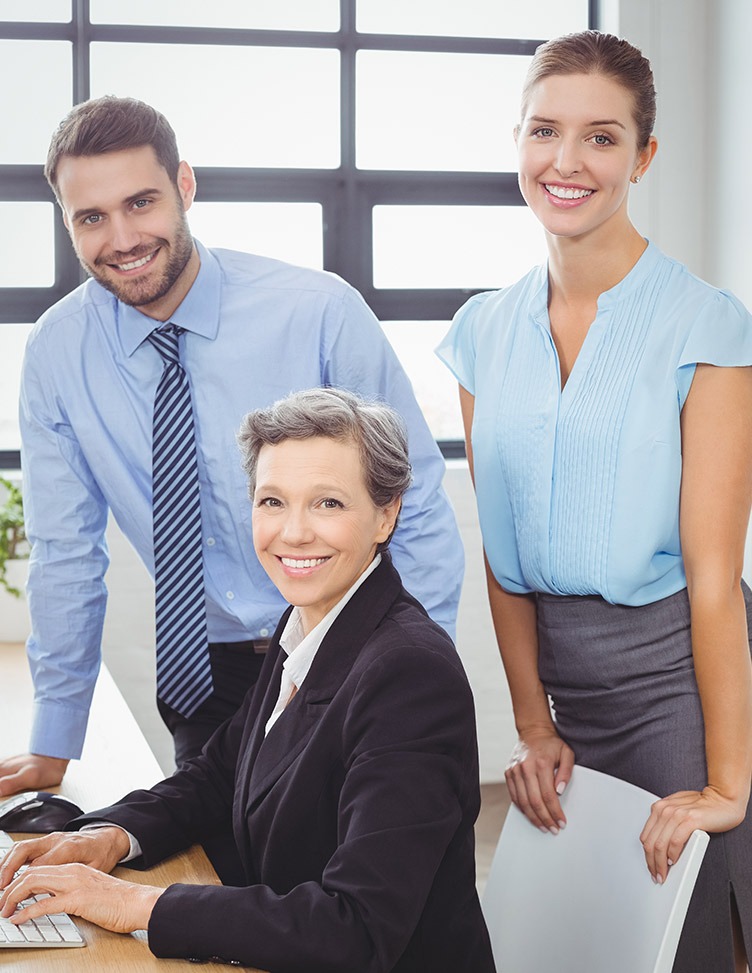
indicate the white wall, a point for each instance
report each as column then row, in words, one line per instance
column 699, row 207
column 728, row 132
column 476, row 642
column 668, row 207
column 725, row 184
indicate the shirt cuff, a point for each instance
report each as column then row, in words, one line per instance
column 58, row 731
column 135, row 848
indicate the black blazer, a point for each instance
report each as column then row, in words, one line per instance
column 353, row 817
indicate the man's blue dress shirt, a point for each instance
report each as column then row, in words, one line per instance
column 255, row 330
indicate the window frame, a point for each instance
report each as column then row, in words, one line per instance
column 347, row 194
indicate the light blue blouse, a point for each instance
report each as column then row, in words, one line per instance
column 578, row 490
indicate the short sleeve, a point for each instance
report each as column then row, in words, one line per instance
column 457, row 350
column 720, row 335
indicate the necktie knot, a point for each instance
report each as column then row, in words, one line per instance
column 165, row 340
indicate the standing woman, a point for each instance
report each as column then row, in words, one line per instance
column 612, row 461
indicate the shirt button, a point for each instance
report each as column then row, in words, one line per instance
column 264, row 632
column 210, row 542
column 230, row 595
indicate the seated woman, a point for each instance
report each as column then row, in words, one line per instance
column 351, row 769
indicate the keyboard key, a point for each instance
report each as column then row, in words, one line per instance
column 48, row 931
column 11, row 933
column 69, row 933
column 31, row 932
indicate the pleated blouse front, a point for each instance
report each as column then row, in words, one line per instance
column 578, row 489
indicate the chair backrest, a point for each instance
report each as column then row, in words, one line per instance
column 583, row 901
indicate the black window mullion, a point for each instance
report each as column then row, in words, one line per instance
column 81, row 51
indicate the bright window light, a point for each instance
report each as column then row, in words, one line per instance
column 434, row 385
column 419, row 110
column 250, row 14
column 233, row 106
column 287, row 231
column 27, row 251
column 472, row 18
column 468, row 247
column 54, row 11
column 36, row 79
column 12, row 343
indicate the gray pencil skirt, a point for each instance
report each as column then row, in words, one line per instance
column 625, row 698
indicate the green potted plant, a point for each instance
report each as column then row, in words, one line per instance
column 13, row 545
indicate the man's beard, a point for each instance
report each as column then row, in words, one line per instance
column 139, row 292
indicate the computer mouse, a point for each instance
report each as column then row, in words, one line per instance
column 37, row 811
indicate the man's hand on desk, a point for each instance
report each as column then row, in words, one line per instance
column 30, row 772
column 72, row 867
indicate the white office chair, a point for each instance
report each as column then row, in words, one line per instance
column 583, row 901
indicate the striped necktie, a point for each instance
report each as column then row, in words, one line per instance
column 184, row 677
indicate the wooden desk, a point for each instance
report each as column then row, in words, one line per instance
column 115, row 760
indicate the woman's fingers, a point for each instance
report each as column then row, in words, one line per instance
column 28, row 883
column 82, row 891
column 534, row 771
column 564, row 770
column 102, row 849
column 538, row 771
column 667, row 830
column 24, row 853
column 673, row 819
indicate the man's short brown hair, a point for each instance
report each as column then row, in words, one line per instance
column 111, row 124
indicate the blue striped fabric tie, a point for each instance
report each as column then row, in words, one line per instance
column 184, row 677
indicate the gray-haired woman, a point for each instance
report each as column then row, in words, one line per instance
column 351, row 770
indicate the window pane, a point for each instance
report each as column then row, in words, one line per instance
column 434, row 385
column 253, row 14
column 473, row 18
column 12, row 343
column 39, row 72
column 27, row 251
column 56, row 11
column 287, row 231
column 437, row 111
column 472, row 247
column 233, row 106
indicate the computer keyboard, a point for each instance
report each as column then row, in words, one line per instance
column 53, row 930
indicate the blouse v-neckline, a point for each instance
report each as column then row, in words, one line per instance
column 595, row 332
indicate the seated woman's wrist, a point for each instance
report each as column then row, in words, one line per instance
column 124, row 847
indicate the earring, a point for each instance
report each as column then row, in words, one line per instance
column 636, row 179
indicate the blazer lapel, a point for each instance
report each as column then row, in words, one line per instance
column 254, row 731
column 273, row 754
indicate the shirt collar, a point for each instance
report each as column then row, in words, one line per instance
column 634, row 279
column 198, row 312
column 301, row 649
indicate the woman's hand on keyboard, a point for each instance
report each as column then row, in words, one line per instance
column 102, row 849
column 82, row 891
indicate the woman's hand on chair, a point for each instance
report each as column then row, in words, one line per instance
column 673, row 819
column 538, row 771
